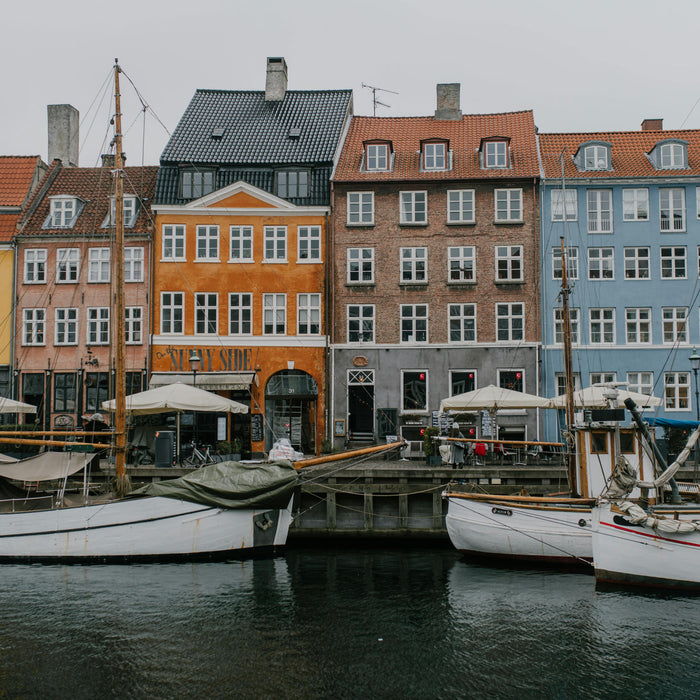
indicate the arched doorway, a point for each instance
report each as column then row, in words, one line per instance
column 291, row 398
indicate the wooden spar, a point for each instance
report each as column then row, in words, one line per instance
column 64, row 433
column 553, row 500
column 301, row 463
column 119, row 374
column 52, row 443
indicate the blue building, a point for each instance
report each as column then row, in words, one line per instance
column 627, row 207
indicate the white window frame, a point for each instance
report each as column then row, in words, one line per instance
column 309, row 244
column 360, row 209
column 414, row 324
column 596, row 157
column 602, row 378
column 637, row 264
column 66, row 326
column 513, row 314
column 99, row 265
column 641, row 382
column 601, row 325
column 435, row 155
column 207, row 243
column 129, row 210
column 34, row 327
column 35, row 260
column 98, row 325
column 240, row 244
column 677, row 391
column 360, row 263
column 67, row 265
column 309, row 314
column 63, row 212
column 413, row 207
column 240, row 313
column 495, row 154
column 414, row 265
column 672, row 156
column 172, row 303
column 361, row 323
column 674, row 262
column 134, row 259
column 509, row 263
column 206, row 313
column 601, row 263
column 461, row 264
column 638, row 325
column 674, row 321
column 635, row 204
column 274, row 314
column 557, row 197
column 574, row 325
column 461, row 323
column 599, row 211
column 460, row 207
column 133, row 325
column 672, row 209
column 275, row 244
column 571, row 260
column 173, row 242
column 377, row 157
column 508, row 205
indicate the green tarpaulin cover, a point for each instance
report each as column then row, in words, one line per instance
column 231, row 485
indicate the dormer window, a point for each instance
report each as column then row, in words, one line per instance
column 434, row 155
column 670, row 154
column 64, row 212
column 596, row 158
column 131, row 211
column 196, row 183
column 495, row 154
column 377, row 156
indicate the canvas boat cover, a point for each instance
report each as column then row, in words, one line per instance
column 231, row 485
column 46, row 466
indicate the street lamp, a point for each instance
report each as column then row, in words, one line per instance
column 695, row 366
column 195, row 364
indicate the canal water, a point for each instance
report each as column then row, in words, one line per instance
column 340, row 622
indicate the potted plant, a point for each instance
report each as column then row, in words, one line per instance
column 430, row 447
column 230, row 451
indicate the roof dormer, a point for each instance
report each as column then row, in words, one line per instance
column 377, row 155
column 494, row 152
column 594, row 155
column 64, row 211
column 435, row 154
column 669, row 154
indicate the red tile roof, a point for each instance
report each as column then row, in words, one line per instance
column 8, row 227
column 94, row 187
column 16, row 175
column 465, row 135
column 628, row 153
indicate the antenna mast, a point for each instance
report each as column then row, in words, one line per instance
column 375, row 101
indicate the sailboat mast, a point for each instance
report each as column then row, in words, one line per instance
column 119, row 374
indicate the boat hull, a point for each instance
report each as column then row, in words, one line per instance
column 630, row 554
column 533, row 531
column 152, row 528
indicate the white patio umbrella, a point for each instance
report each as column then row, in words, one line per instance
column 177, row 398
column 595, row 397
column 12, row 406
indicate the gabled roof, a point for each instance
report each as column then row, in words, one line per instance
column 16, row 176
column 93, row 187
column 465, row 136
column 241, row 127
column 628, row 153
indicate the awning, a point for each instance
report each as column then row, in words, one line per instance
column 210, row 381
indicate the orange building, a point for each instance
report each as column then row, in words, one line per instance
column 238, row 282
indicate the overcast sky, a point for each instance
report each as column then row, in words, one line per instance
column 581, row 66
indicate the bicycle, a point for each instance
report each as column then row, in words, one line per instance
column 198, row 458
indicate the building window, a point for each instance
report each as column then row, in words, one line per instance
column 640, row 382
column 599, row 211
column 241, row 244
column 601, row 264
column 240, row 313
column 308, row 314
column 275, row 244
column 672, row 156
column 414, row 323
column 675, row 324
column 561, row 382
column 635, row 204
column 596, row 157
column 63, row 212
column 196, row 183
column 67, row 265
column 571, row 263
column 414, row 208
column 673, row 262
column 377, row 156
column 460, row 264
column 602, row 326
column 133, row 325
column 462, row 381
column 274, row 314
column 96, row 390
column 509, row 263
column 414, row 265
column 509, row 205
column 309, row 243
column 174, row 242
column 574, row 324
column 208, row 243
column 98, row 264
column 293, row 184
column 672, row 209
column 35, row 266
column 129, row 209
column 460, row 206
column 510, row 321
column 637, row 263
column 172, row 312
column 133, row 264
column 360, row 207
column 603, row 377
column 495, row 154
column 206, row 313
column 461, row 323
column 414, row 390
column 434, row 156
column 512, row 379
column 677, row 391
column 360, row 323
column 557, row 202
column 697, row 202
column 33, row 326
column 64, row 391
column 66, row 327
column 638, row 325
column 360, row 265
column 98, row 325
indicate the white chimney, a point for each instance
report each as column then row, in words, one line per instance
column 276, row 81
column 63, row 134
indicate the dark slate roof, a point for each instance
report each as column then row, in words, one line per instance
column 254, row 131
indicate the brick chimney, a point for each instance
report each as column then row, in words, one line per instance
column 276, row 80
column 653, row 125
column 63, row 134
column 448, row 102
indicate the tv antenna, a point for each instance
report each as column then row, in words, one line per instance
column 375, row 101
